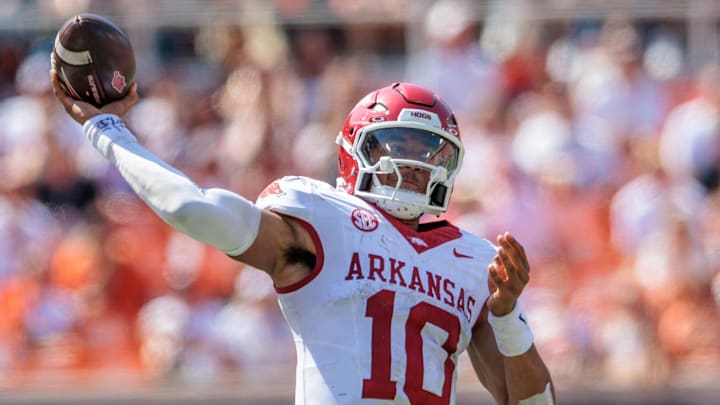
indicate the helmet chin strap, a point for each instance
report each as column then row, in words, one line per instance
column 400, row 203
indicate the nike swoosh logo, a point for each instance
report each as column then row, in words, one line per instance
column 458, row 254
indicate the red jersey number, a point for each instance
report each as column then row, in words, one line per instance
column 380, row 308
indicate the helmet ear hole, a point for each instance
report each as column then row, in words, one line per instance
column 437, row 197
column 364, row 179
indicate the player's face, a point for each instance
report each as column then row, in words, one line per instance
column 413, row 179
column 413, row 145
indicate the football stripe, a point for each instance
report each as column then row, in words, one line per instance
column 69, row 87
column 77, row 58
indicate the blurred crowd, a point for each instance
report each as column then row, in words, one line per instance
column 597, row 146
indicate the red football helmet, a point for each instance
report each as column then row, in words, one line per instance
column 402, row 125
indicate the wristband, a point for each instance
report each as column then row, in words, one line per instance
column 105, row 129
column 512, row 333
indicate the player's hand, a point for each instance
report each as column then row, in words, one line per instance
column 81, row 111
column 510, row 272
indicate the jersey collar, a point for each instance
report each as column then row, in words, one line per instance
column 429, row 234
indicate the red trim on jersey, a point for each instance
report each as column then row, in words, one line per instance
column 429, row 234
column 319, row 260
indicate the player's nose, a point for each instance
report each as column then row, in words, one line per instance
column 415, row 176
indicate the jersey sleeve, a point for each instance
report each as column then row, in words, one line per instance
column 298, row 197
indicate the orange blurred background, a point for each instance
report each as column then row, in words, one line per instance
column 592, row 132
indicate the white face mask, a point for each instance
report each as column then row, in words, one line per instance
column 384, row 148
column 406, row 204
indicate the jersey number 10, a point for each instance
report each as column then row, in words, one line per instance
column 380, row 308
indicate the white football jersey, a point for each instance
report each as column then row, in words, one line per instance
column 387, row 311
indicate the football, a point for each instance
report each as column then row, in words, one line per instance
column 94, row 59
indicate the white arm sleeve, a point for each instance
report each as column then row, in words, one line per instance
column 217, row 217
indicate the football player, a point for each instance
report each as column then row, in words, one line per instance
column 381, row 305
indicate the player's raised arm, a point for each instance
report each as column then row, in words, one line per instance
column 217, row 217
column 502, row 351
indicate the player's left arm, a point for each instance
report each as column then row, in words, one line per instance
column 502, row 351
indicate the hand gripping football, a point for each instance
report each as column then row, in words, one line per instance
column 94, row 59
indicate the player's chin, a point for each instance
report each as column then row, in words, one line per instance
column 415, row 190
column 413, row 186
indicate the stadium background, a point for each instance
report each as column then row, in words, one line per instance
column 592, row 133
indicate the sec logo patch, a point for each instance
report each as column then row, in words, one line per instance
column 364, row 220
